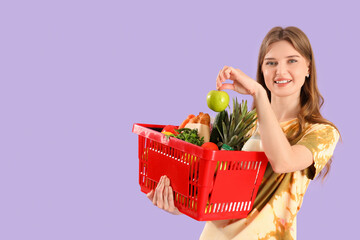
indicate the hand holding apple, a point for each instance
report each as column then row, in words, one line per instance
column 242, row 83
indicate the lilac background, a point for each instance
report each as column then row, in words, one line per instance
column 75, row 75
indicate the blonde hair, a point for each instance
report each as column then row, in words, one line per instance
column 310, row 98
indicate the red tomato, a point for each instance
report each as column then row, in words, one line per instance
column 210, row 146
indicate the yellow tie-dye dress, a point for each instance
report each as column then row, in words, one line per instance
column 279, row 196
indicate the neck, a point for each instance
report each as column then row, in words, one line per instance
column 285, row 108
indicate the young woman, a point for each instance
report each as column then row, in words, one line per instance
column 296, row 139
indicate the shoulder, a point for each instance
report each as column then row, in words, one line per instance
column 320, row 128
column 320, row 132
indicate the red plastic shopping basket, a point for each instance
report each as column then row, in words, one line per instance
column 207, row 184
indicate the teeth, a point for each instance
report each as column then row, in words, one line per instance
column 283, row 81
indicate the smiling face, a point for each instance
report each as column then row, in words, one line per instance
column 284, row 69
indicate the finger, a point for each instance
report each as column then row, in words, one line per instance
column 227, row 72
column 218, row 79
column 166, row 194
column 222, row 76
column 156, row 192
column 160, row 192
column 150, row 195
column 218, row 83
column 171, row 198
column 154, row 197
column 225, row 67
column 230, row 86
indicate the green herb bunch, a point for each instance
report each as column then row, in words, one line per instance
column 189, row 135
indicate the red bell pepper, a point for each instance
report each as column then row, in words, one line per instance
column 170, row 128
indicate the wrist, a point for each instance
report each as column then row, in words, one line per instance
column 259, row 90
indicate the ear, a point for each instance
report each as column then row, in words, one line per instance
column 308, row 67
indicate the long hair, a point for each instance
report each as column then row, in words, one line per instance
column 310, row 98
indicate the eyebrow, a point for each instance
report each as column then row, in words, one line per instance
column 291, row 56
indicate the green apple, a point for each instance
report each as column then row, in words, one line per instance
column 217, row 100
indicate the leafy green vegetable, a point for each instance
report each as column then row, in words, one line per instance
column 189, row 135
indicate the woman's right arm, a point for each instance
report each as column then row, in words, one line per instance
column 163, row 196
column 282, row 156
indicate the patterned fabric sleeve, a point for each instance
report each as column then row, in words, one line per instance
column 321, row 140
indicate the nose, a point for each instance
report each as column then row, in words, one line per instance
column 281, row 69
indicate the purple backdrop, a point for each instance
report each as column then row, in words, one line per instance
column 75, row 75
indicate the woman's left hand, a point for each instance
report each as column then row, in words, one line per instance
column 242, row 83
column 163, row 196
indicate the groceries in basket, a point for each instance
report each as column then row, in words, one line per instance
column 228, row 132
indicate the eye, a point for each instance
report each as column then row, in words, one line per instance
column 270, row 63
column 292, row 61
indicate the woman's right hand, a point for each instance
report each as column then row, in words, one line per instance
column 242, row 83
column 163, row 196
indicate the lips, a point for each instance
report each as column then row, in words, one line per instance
column 282, row 81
